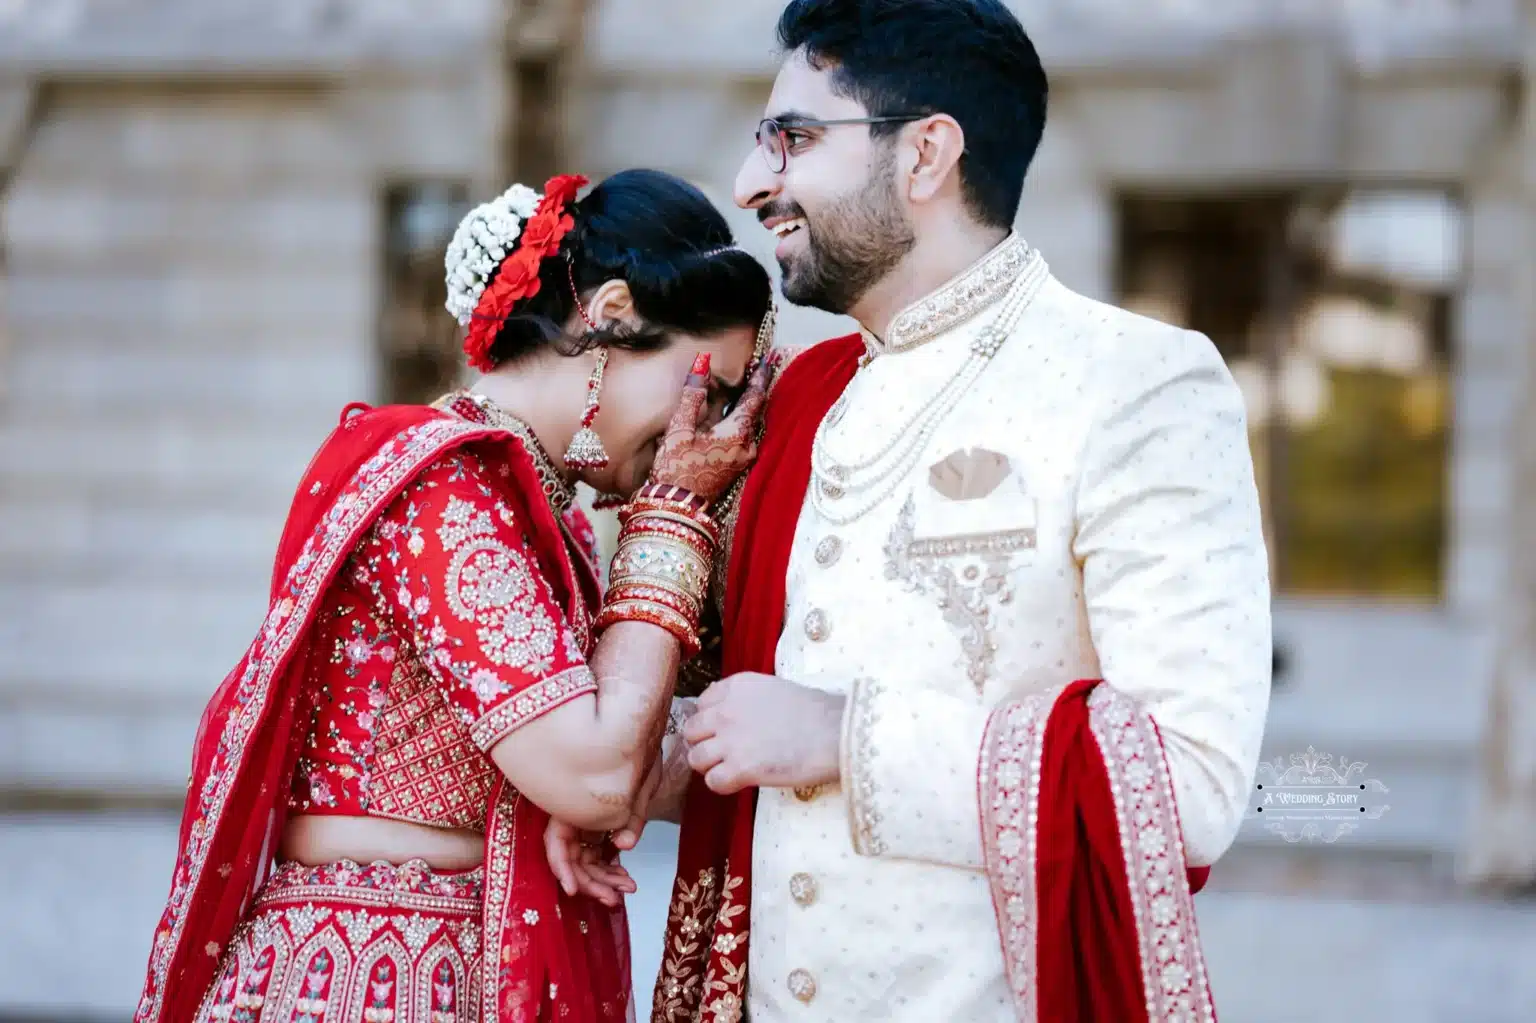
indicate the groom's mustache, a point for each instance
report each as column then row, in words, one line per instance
column 781, row 210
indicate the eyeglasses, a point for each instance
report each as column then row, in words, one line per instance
column 774, row 136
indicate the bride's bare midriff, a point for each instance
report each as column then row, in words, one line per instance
column 316, row 840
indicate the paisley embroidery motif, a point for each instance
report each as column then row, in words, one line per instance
column 966, row 594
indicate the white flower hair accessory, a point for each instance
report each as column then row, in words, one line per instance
column 484, row 238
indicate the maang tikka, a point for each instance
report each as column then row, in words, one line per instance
column 586, row 450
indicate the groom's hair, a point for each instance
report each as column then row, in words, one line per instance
column 970, row 59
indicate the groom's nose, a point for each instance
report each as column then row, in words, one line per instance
column 755, row 183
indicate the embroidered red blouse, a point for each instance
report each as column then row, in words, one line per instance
column 439, row 639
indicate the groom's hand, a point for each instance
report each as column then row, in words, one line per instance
column 755, row 730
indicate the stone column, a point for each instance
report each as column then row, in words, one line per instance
column 1501, row 849
column 16, row 109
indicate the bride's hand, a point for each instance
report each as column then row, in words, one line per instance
column 585, row 864
column 707, row 462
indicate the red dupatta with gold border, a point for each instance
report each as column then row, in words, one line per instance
column 1102, row 862
column 247, row 744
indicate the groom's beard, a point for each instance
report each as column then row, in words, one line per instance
column 850, row 247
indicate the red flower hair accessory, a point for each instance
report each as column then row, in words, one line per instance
column 518, row 276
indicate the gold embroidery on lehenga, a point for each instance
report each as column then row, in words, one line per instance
column 966, row 596
column 298, row 955
column 491, row 584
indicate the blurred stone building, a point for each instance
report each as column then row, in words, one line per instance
column 221, row 220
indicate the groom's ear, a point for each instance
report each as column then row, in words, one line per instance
column 931, row 157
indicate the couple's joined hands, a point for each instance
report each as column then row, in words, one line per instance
column 746, row 731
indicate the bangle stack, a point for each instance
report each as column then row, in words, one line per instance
column 661, row 571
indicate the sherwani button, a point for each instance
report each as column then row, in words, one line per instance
column 802, row 985
column 806, row 793
column 802, row 888
column 828, row 551
column 817, row 626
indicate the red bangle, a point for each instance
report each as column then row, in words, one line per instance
column 670, row 493
column 653, row 614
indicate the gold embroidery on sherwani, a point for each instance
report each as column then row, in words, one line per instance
column 974, row 290
column 965, row 596
column 858, row 752
column 1172, row 963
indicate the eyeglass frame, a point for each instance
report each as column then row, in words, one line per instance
column 805, row 122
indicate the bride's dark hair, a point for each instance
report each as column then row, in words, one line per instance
column 669, row 243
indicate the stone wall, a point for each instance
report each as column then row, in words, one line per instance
column 192, row 294
column 193, row 277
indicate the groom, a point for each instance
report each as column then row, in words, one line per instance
column 996, row 624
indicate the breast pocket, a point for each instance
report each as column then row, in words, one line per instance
column 962, row 555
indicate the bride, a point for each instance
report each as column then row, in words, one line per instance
column 440, row 673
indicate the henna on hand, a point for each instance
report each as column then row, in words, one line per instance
column 707, row 462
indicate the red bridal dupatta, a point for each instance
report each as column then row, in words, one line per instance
column 1083, row 850
column 249, row 739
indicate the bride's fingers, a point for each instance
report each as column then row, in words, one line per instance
column 594, row 887
column 690, row 408
column 595, row 880
column 742, row 422
column 558, row 848
column 613, row 875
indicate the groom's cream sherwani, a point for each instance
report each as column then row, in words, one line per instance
column 1086, row 510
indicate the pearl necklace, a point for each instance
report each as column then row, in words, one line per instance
column 867, row 482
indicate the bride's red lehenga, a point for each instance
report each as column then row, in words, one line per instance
column 429, row 598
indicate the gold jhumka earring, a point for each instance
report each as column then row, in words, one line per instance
column 586, row 450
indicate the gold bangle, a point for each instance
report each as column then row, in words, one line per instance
column 662, row 559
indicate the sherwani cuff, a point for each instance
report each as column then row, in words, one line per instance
column 909, row 770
